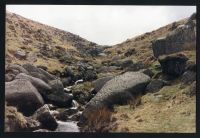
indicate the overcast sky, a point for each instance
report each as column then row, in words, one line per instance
column 105, row 25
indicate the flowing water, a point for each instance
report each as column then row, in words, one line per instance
column 69, row 126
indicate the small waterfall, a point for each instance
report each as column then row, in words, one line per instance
column 69, row 126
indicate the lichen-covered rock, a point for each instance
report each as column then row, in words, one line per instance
column 22, row 94
column 118, row 90
column 99, row 83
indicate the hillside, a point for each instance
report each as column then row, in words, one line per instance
column 145, row 84
column 30, row 41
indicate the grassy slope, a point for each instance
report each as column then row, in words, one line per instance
column 142, row 45
column 166, row 114
column 22, row 33
column 168, row 110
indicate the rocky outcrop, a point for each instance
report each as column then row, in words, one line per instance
column 183, row 37
column 118, row 90
column 174, row 64
column 22, row 94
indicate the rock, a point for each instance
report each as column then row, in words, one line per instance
column 89, row 75
column 106, row 69
column 57, row 86
column 81, row 96
column 54, row 113
column 75, row 117
column 127, row 63
column 64, row 115
column 68, row 72
column 19, row 68
column 43, row 88
column 94, row 51
column 66, row 81
column 130, row 52
column 61, row 100
column 32, row 124
column 22, row 94
column 67, row 59
column 135, row 67
column 155, row 85
column 118, row 90
column 9, row 77
column 173, row 64
column 58, row 96
column 12, row 70
column 99, row 83
column 102, row 54
column 42, row 67
column 191, row 65
column 147, row 72
column 31, row 57
column 38, row 72
column 181, row 38
column 20, row 54
column 44, row 116
column 188, row 76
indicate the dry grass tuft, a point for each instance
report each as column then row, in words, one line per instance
column 99, row 120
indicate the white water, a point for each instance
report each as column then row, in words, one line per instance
column 67, row 127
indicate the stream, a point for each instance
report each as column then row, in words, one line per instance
column 67, row 126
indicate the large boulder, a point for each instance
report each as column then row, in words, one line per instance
column 99, row 83
column 118, row 90
column 156, row 85
column 58, row 96
column 22, row 94
column 174, row 64
column 38, row 72
column 181, row 38
column 43, row 88
column 44, row 116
